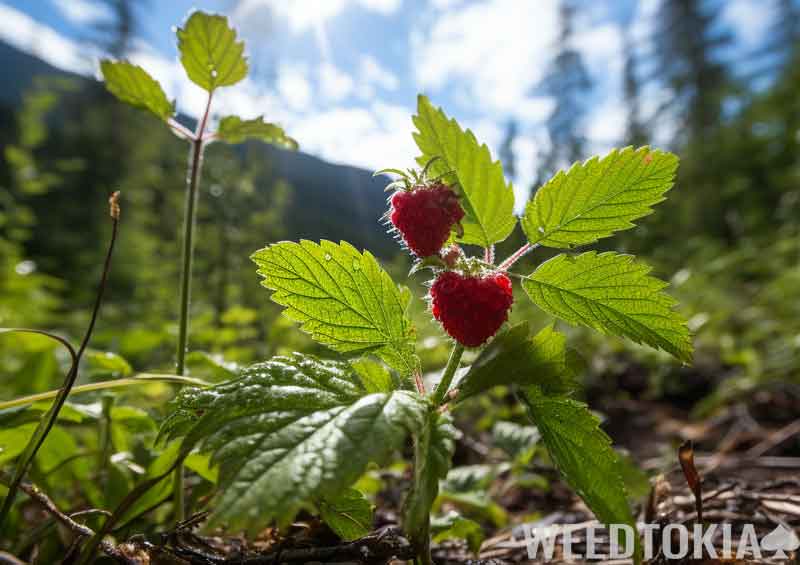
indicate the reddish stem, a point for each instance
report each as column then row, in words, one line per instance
column 516, row 256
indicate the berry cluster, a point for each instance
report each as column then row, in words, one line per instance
column 470, row 307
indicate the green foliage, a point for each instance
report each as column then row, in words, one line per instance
column 454, row 526
column 515, row 358
column 348, row 514
column 613, row 294
column 583, row 454
column 133, row 85
column 433, row 454
column 210, row 53
column 342, row 298
column 487, row 199
column 515, row 440
column 288, row 431
column 596, row 198
column 374, row 376
column 233, row 129
column 162, row 489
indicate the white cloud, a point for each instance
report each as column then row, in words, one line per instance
column 372, row 73
column 334, row 83
column 294, row 86
column 82, row 12
column 308, row 15
column 26, row 34
column 499, row 48
column 385, row 7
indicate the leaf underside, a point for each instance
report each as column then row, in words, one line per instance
column 594, row 199
column 133, row 85
column 487, row 199
column 289, row 431
column 342, row 298
column 613, row 294
column 210, row 53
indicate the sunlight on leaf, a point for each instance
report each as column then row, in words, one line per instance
column 592, row 200
column 613, row 294
column 342, row 298
column 487, row 199
column 133, row 85
column 233, row 129
column 210, row 53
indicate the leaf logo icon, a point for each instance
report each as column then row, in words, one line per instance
column 780, row 540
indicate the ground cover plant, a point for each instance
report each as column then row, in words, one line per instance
column 295, row 432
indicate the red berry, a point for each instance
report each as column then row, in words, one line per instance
column 425, row 216
column 471, row 308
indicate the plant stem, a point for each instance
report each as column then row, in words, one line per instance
column 440, row 393
column 189, row 221
column 141, row 379
column 516, row 256
column 49, row 419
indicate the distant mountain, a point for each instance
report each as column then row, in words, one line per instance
column 328, row 201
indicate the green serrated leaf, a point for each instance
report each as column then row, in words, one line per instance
column 433, row 453
column 611, row 293
column 133, row 85
column 373, row 375
column 342, row 298
column 592, row 200
column 583, row 454
column 454, row 526
column 487, row 199
column 514, row 358
column 233, row 129
column 348, row 514
column 210, row 53
column 289, row 431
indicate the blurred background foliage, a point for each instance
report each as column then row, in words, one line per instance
column 728, row 235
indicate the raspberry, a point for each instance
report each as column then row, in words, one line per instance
column 471, row 309
column 425, row 216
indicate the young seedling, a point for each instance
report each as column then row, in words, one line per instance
column 297, row 430
column 213, row 58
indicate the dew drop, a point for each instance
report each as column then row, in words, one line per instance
column 214, row 73
column 356, row 266
column 541, row 229
column 328, row 257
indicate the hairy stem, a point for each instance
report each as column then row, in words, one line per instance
column 516, row 256
column 440, row 393
column 189, row 221
column 48, row 420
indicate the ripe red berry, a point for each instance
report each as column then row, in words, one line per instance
column 425, row 216
column 471, row 308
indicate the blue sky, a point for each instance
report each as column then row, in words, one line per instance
column 342, row 75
